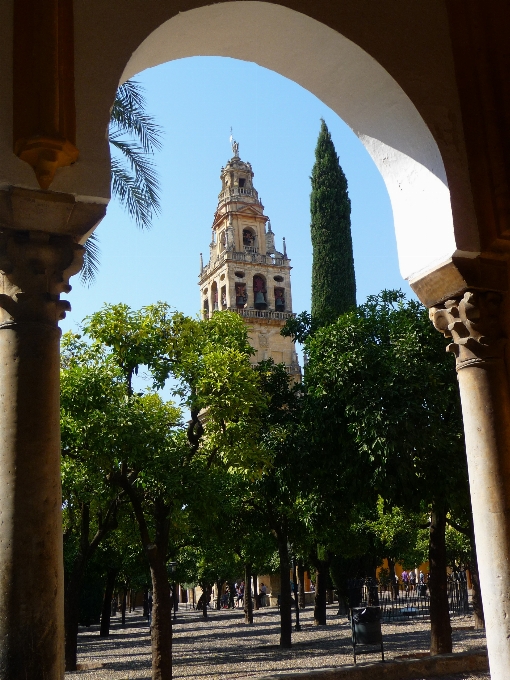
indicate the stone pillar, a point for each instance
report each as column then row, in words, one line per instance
column 34, row 269
column 472, row 321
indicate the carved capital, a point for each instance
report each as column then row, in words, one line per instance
column 472, row 321
column 35, row 268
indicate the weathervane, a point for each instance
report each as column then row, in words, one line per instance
column 234, row 145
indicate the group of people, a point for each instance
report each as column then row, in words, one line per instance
column 238, row 597
column 410, row 579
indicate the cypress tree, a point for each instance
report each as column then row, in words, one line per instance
column 333, row 278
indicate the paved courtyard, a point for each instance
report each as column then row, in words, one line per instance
column 224, row 647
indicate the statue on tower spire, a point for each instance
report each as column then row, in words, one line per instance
column 234, row 144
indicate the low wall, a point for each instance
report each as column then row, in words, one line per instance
column 408, row 669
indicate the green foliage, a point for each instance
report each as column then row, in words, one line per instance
column 381, row 373
column 137, row 337
column 333, row 278
column 401, row 534
column 458, row 548
column 208, row 359
column 299, row 327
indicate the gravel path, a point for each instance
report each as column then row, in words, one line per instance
column 225, row 648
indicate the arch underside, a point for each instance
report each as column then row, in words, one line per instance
column 352, row 84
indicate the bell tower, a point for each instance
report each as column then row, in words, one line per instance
column 245, row 273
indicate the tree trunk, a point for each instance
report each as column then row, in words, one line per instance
column 285, row 594
column 72, row 613
column 475, row 580
column 256, row 595
column 106, row 612
column 156, row 553
column 393, row 582
column 73, row 588
column 145, row 606
column 206, row 594
column 123, row 604
column 301, row 578
column 232, row 595
column 440, row 628
column 218, row 594
column 161, row 633
column 248, row 602
column 321, row 582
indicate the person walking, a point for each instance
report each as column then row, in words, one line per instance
column 262, row 594
column 240, row 595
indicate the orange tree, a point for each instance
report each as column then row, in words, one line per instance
column 381, row 379
column 156, row 455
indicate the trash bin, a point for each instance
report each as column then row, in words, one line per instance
column 366, row 628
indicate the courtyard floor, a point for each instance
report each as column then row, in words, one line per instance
column 224, row 647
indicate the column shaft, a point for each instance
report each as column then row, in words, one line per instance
column 486, row 412
column 34, row 270
column 472, row 321
column 31, row 566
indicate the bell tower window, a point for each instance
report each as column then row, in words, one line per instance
column 241, row 181
column 259, row 292
column 214, row 296
column 279, row 299
column 248, row 237
column 241, row 297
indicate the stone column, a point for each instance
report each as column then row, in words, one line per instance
column 472, row 321
column 34, row 269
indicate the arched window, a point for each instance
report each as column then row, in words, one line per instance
column 241, row 297
column 248, row 238
column 259, row 292
column 214, row 296
column 279, row 299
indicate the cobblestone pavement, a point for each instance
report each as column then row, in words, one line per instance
column 224, row 647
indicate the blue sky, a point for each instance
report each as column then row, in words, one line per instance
column 276, row 123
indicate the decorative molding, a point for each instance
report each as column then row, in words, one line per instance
column 44, row 112
column 473, row 323
column 35, row 268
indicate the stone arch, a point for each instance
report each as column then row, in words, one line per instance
column 352, row 83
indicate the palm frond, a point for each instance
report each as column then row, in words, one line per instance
column 143, row 168
column 128, row 117
column 90, row 260
column 131, row 195
column 135, row 181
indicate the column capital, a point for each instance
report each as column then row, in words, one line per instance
column 472, row 320
column 35, row 268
